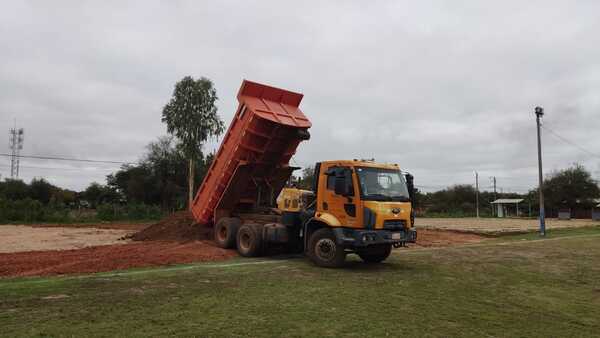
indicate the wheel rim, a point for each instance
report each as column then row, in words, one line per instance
column 222, row 234
column 245, row 240
column 325, row 249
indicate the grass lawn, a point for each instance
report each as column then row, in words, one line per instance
column 514, row 286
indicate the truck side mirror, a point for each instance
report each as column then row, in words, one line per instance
column 410, row 185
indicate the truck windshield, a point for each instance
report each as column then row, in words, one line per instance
column 378, row 184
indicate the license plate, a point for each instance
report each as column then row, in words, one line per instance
column 396, row 235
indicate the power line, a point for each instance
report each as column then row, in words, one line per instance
column 65, row 159
column 57, row 168
column 570, row 142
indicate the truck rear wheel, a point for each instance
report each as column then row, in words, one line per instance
column 375, row 254
column 324, row 251
column 249, row 240
column 225, row 232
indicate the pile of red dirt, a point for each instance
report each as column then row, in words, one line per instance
column 180, row 226
column 109, row 257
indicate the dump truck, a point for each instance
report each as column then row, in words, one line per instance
column 355, row 206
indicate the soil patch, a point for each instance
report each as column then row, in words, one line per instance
column 16, row 238
column 180, row 226
column 100, row 225
column 499, row 226
column 109, row 257
column 437, row 238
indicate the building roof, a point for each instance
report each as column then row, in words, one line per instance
column 507, row 200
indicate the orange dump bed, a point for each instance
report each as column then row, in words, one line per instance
column 251, row 166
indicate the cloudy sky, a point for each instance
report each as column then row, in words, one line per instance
column 442, row 88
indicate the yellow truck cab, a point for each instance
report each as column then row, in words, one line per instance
column 359, row 207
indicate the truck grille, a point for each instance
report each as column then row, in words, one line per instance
column 394, row 224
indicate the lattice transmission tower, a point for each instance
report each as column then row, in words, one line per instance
column 15, row 142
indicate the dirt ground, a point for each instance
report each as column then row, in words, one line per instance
column 491, row 226
column 436, row 238
column 134, row 226
column 108, row 258
column 50, row 250
column 18, row 238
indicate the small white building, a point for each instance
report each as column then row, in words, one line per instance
column 506, row 206
column 596, row 211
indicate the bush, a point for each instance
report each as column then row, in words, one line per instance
column 109, row 212
column 28, row 210
column 113, row 212
column 25, row 210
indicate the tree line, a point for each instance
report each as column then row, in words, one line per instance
column 571, row 189
column 158, row 184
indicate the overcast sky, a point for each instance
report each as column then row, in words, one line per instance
column 442, row 88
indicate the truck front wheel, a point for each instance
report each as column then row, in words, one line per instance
column 375, row 254
column 324, row 251
column 249, row 240
column 225, row 232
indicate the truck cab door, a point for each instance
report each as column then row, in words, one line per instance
column 339, row 197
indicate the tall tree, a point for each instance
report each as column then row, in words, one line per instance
column 572, row 188
column 191, row 116
column 307, row 179
column 14, row 189
column 41, row 190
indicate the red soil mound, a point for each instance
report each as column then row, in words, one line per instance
column 109, row 257
column 180, row 226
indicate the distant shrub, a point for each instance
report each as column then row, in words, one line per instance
column 28, row 210
column 25, row 210
column 134, row 211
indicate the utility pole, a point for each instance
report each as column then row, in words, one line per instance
column 15, row 141
column 539, row 112
column 477, row 192
column 495, row 197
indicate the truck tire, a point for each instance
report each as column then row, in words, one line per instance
column 324, row 251
column 249, row 240
column 225, row 232
column 375, row 254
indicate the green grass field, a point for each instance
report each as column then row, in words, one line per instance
column 515, row 286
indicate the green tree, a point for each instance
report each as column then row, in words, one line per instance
column 41, row 190
column 569, row 188
column 160, row 178
column 191, row 116
column 307, row 179
column 97, row 194
column 14, row 189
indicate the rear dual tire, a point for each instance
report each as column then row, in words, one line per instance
column 225, row 232
column 249, row 240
